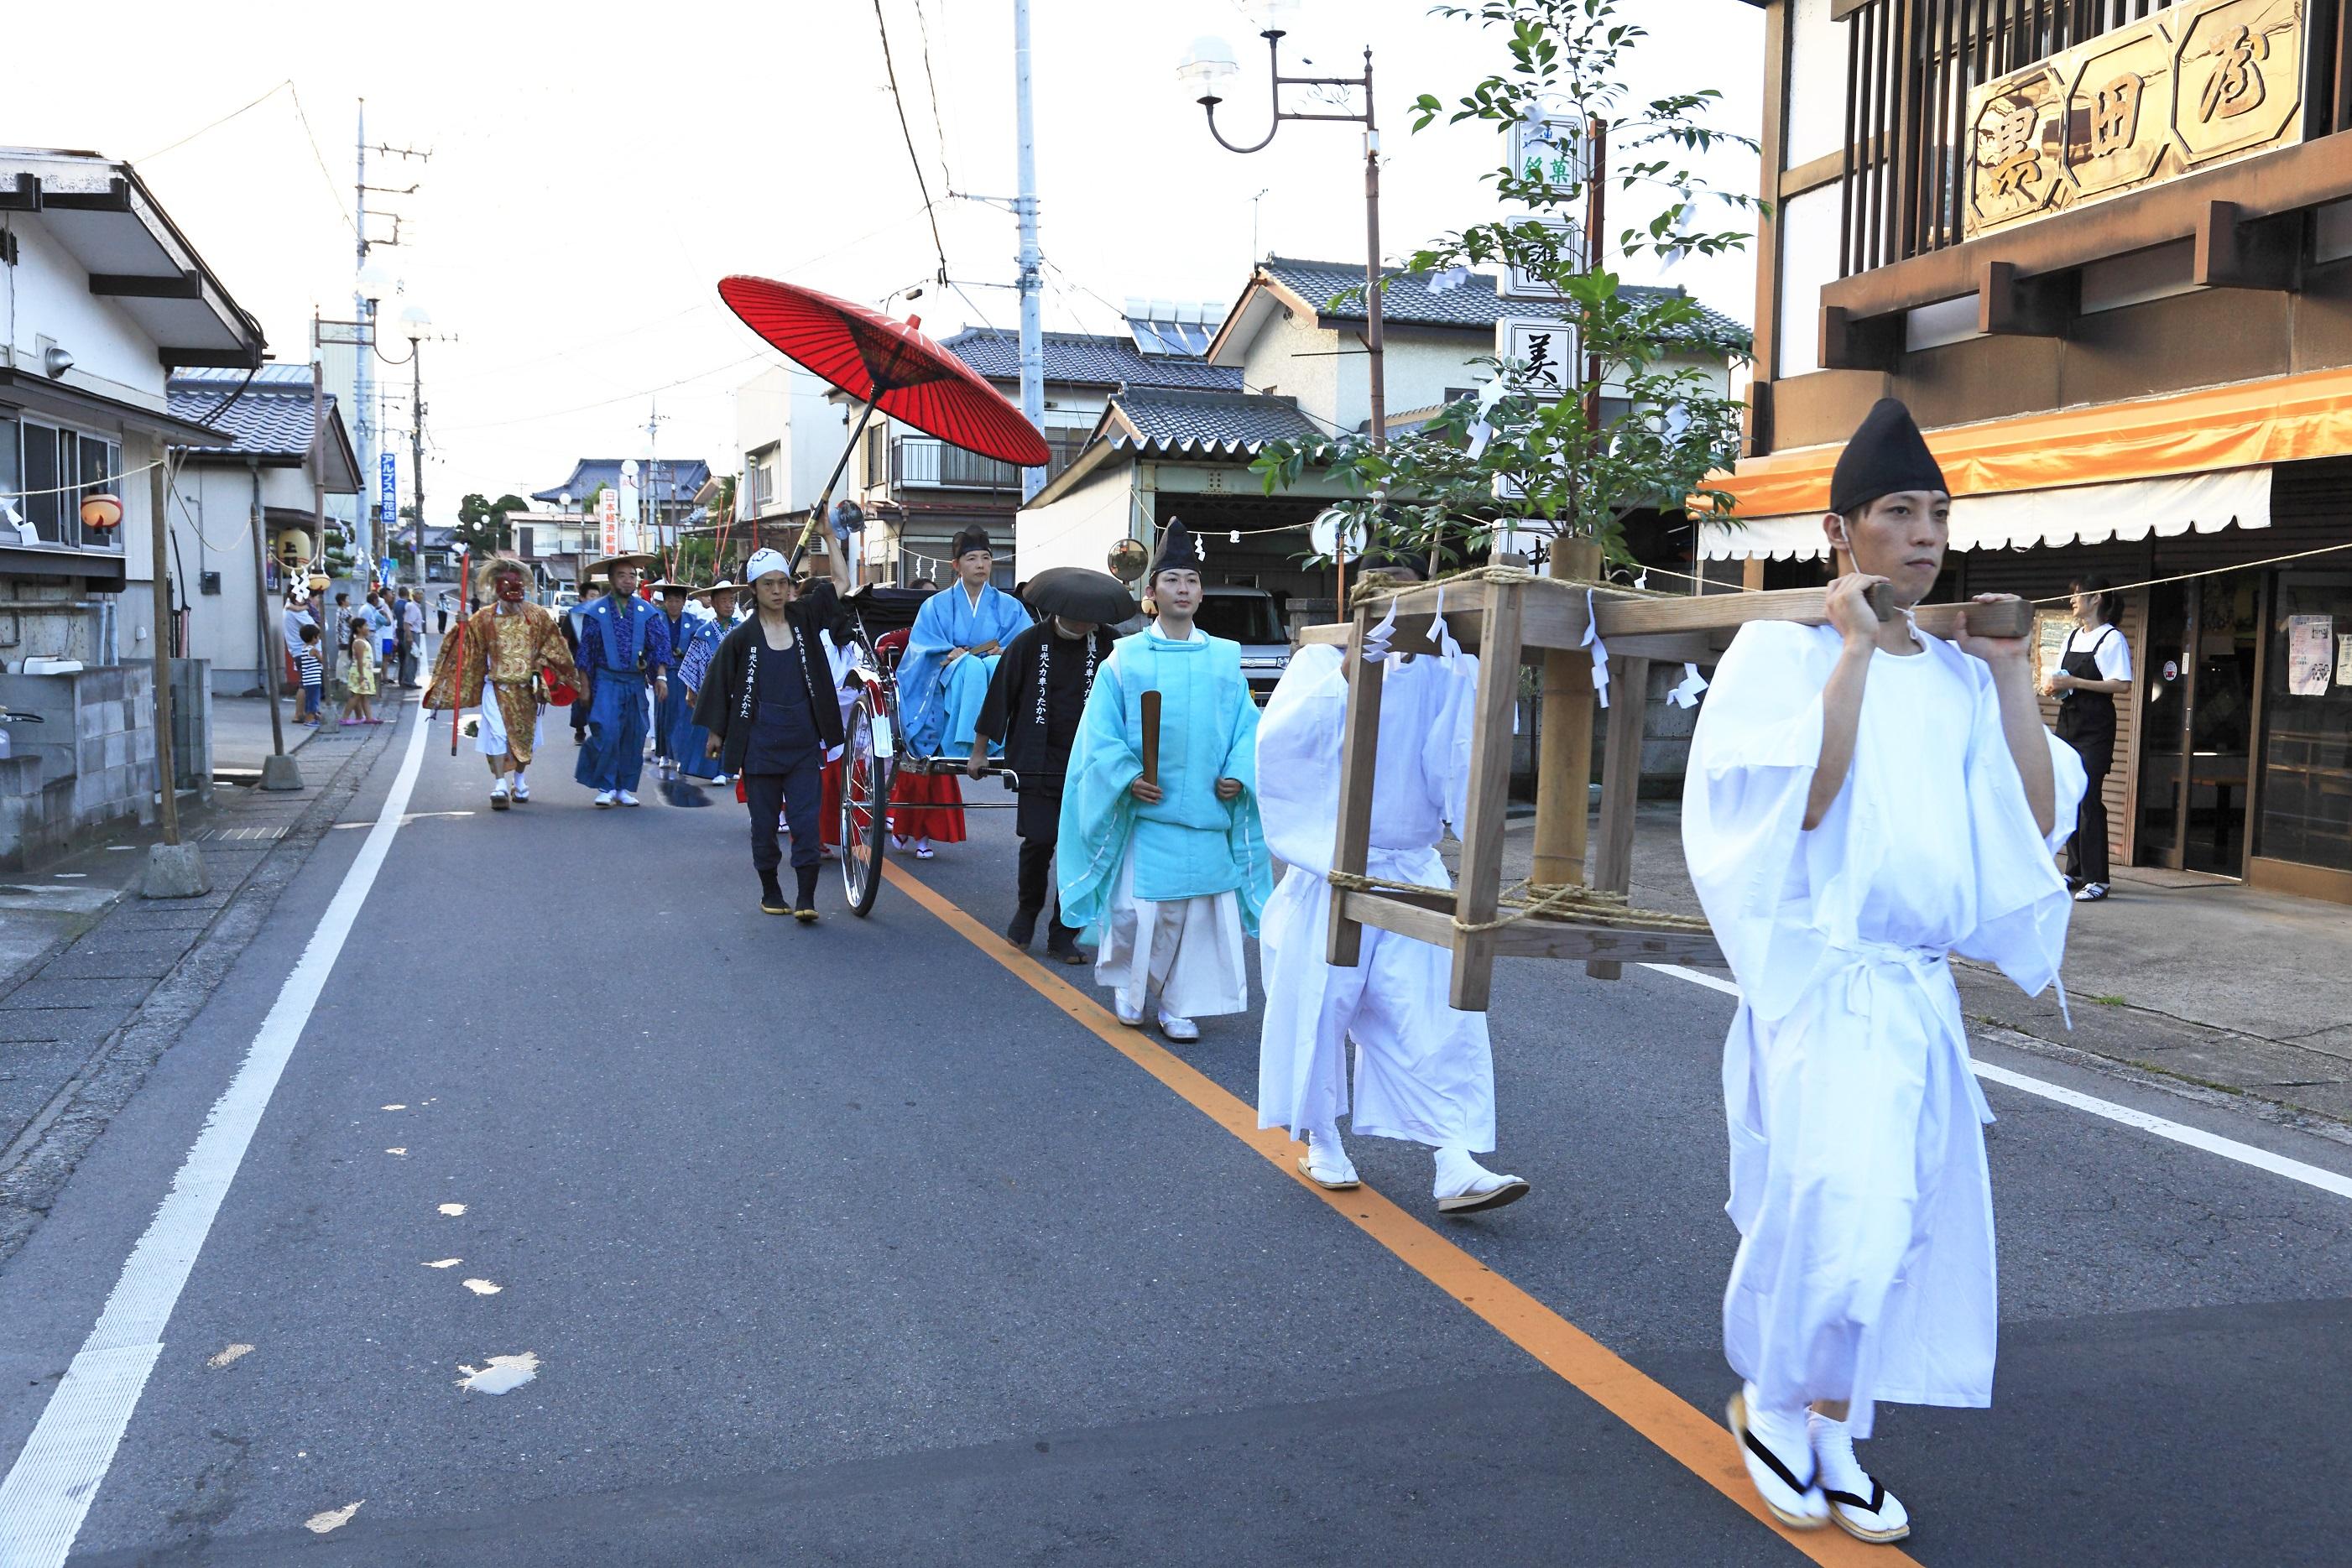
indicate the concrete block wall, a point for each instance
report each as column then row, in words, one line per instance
column 92, row 762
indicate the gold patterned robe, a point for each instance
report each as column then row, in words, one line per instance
column 508, row 652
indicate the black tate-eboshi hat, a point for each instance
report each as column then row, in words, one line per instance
column 1886, row 454
column 1178, row 552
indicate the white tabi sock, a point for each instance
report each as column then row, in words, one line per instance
column 1458, row 1174
column 1784, row 1432
column 1861, row 1506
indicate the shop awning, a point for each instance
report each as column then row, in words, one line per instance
column 2073, row 515
column 2245, row 425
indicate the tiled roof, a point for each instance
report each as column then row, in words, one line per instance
column 270, row 419
column 1337, row 289
column 675, row 479
column 1082, row 358
column 1206, row 422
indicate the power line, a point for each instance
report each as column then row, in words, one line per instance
column 224, row 120
column 921, row 184
column 333, row 188
column 938, row 125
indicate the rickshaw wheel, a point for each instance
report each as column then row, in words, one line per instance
column 865, row 807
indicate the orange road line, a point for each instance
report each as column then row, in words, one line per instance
column 1693, row 1439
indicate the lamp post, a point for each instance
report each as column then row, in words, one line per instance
column 1209, row 66
column 375, row 282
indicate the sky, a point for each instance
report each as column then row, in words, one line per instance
column 594, row 169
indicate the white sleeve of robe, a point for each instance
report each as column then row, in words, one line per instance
column 1298, row 740
column 2023, row 905
column 1781, row 921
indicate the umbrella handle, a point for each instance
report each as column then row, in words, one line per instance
column 824, row 500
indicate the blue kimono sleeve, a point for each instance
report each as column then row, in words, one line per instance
column 696, row 664
column 1098, row 811
column 929, row 642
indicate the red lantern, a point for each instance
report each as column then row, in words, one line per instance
column 103, row 513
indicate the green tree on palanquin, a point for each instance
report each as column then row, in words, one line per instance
column 1543, row 443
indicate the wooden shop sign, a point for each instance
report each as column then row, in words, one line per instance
column 2195, row 84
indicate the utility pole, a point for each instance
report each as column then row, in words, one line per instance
column 1033, row 280
column 416, row 448
column 363, row 535
column 366, row 391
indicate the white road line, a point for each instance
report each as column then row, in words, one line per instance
column 2261, row 1159
column 49, row 1489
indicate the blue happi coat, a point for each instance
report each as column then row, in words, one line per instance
column 937, row 704
column 1190, row 844
column 688, row 738
column 624, row 643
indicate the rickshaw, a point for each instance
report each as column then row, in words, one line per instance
column 877, row 621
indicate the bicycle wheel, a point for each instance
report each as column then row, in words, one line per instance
column 865, row 799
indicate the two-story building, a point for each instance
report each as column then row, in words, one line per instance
column 666, row 487
column 1292, row 344
column 288, row 450
column 104, row 299
column 2105, row 253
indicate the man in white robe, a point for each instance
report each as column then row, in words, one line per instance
column 1862, row 801
column 1424, row 1073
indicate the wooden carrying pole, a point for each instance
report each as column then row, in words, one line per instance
column 1151, row 704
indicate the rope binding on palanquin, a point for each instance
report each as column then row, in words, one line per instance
column 1530, row 900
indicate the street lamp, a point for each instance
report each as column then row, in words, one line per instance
column 1208, row 66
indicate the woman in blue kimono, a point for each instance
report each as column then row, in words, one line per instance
column 959, row 636
column 703, row 637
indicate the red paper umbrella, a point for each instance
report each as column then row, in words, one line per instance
column 888, row 365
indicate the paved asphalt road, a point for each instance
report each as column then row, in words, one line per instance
column 852, row 1245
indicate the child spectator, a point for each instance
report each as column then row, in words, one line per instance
column 314, row 682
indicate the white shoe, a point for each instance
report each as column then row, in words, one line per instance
column 603, row 798
column 521, row 789
column 498, row 793
column 1327, row 1165
column 1858, row 1504
column 1132, row 1016
column 626, row 798
column 1768, row 1441
column 2090, row 892
column 1466, row 1187
column 1183, row 1030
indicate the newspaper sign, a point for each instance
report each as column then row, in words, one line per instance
column 608, row 518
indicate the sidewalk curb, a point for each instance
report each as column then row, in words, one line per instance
column 40, row 1157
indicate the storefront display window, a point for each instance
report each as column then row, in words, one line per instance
column 2306, row 798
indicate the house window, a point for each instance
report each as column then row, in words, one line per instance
column 523, row 542
column 878, row 458
column 11, row 470
column 56, row 468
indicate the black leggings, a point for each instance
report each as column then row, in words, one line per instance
column 2086, row 852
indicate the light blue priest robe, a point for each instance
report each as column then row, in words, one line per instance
column 1190, row 844
column 939, row 703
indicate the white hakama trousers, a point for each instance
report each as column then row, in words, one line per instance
column 490, row 734
column 1191, row 948
column 1424, row 1073
column 1858, row 1182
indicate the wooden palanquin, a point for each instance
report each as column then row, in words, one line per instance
column 1506, row 617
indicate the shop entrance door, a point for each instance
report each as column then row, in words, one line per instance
column 2196, row 717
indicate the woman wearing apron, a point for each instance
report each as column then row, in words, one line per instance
column 2094, row 670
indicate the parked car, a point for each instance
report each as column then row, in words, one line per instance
column 1251, row 617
